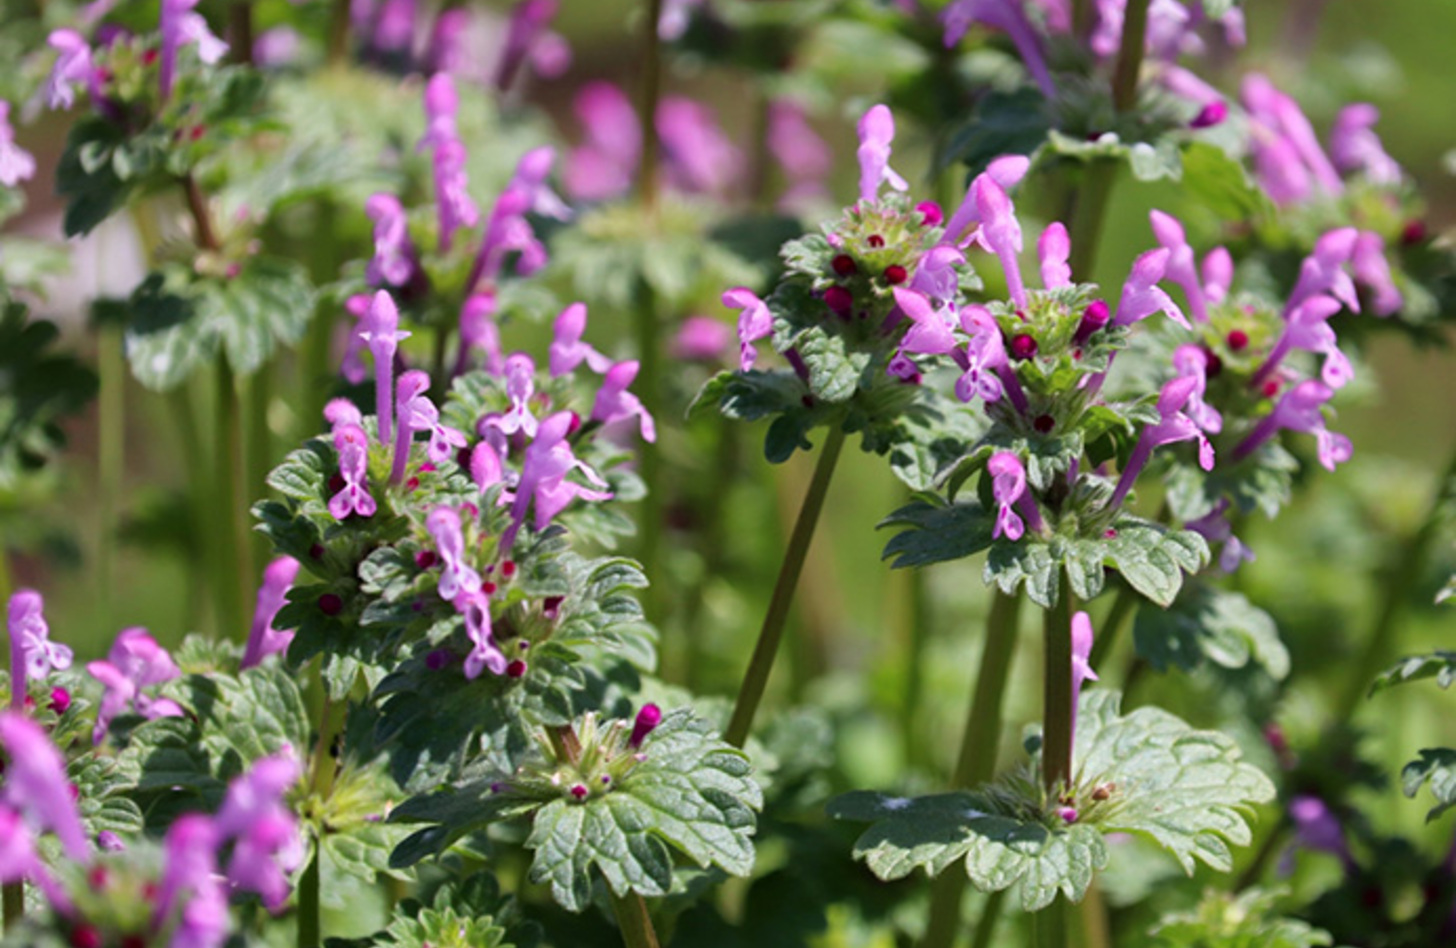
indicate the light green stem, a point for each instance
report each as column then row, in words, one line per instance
column 259, row 453
column 1107, row 630
column 917, row 621
column 200, row 501
column 1089, row 208
column 1130, row 55
column 1051, row 925
column 976, row 762
column 648, row 386
column 229, row 538
column 308, row 904
column 759, row 666
column 633, row 920
column 986, row 925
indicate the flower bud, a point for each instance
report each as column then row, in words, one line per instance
column 647, row 719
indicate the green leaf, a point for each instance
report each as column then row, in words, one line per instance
column 1214, row 625
column 1146, row 773
column 38, row 389
column 1438, row 766
column 751, row 395
column 1440, row 665
column 1214, row 178
column 1003, row 123
column 693, row 792
column 1153, row 558
column 1247, row 919
column 1148, row 161
column 181, row 320
column 87, row 177
column 938, row 532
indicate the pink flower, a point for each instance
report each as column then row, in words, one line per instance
column 1371, row 269
column 485, row 654
column 876, row 131
column 268, row 845
column 543, row 484
column 264, row 640
column 1141, row 295
column 478, row 330
column 1081, row 663
column 32, row 653
column 394, row 256
column 614, row 403
column 352, row 445
column 601, row 167
column 1300, row 410
column 1054, row 249
column 73, row 67
column 383, row 335
column 36, row 785
column 135, row 662
column 567, row 348
column 698, row 157
column 755, row 322
column 16, row 164
column 454, row 206
column 456, row 576
column 1008, row 484
column 441, row 104
column 1007, row 15
column 1356, row 148
column 1007, row 171
column 701, row 339
column 1173, row 425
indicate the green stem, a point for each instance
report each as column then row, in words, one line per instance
column 650, row 92
column 917, row 620
column 308, row 904
column 322, row 768
column 1056, row 749
column 199, row 499
column 1130, row 55
column 315, row 375
column 231, row 541
column 711, row 542
column 1089, row 208
column 750, row 693
column 339, row 32
column 1094, row 930
column 258, row 448
column 240, row 31
column 976, row 762
column 111, row 461
column 633, row 920
column 1255, row 869
column 990, row 915
column 648, row 387
column 1051, row 925
column 1399, row 584
column 1082, row 17
column 12, row 894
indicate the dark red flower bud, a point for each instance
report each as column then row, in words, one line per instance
column 336, row 483
column 330, row 604
column 1044, row 423
column 575, row 425
column 839, row 300
column 1237, row 340
column 876, row 241
column 1271, row 388
column 508, row 568
column 843, row 265
column 1413, row 233
column 1023, row 346
column 60, row 700
column 930, row 213
column 580, row 791
column 516, row 669
column 316, row 551
column 895, row 274
column 438, row 659
column 424, row 559
column 84, row 936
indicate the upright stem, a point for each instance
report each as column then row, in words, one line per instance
column 199, row 500
column 231, row 542
column 258, row 449
column 917, row 620
column 1130, row 55
column 1056, row 747
column 633, row 920
column 650, row 92
column 111, row 461
column 12, row 894
column 649, row 388
column 321, row 784
column 750, row 693
column 240, row 31
column 976, row 763
column 204, row 234
column 1398, row 586
column 990, row 915
column 1122, row 606
column 339, row 32
column 1051, row 925
column 1089, row 207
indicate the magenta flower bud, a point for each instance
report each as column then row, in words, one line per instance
column 1054, row 248
column 60, row 700
column 567, row 348
column 701, row 339
column 353, row 497
column 1214, row 113
column 648, row 717
column 1068, row 814
column 876, row 131
column 1023, row 346
column 755, row 322
column 1094, row 318
column 614, row 403
column 930, row 213
column 32, row 654
column 16, row 164
column 264, row 640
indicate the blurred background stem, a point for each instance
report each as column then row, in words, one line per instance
column 111, row 462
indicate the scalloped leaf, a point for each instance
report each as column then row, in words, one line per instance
column 1213, row 625
column 1243, row 920
column 1151, row 773
column 1440, row 665
column 38, row 387
column 938, row 531
column 1436, row 765
column 693, row 793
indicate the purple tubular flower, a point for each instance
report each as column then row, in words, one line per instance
column 798, row 149
column 601, row 167
column 341, row 411
column 1370, row 267
column 179, row 25
column 985, row 368
column 417, row 413
column 1317, row 828
column 508, row 230
column 935, row 273
column 255, row 815
column 673, row 22
column 876, row 131
column 547, row 461
column 36, row 784
column 73, row 67
column 1007, row 171
column 1192, row 362
column 1299, row 410
column 383, row 336
column 1214, row 527
column 351, row 367
column 394, row 256
column 1054, row 248
column 135, row 662
column 529, row 21
column 1008, row 484
column 1094, row 318
column 1307, row 328
column 353, row 498
column 32, row 654
column 614, row 403
column 1006, row 15
column 449, row 51
column 1182, row 266
column 456, row 576
column 1173, row 425
column 441, row 104
column 264, row 640
column 701, row 339
column 191, row 873
column 1081, row 663
column 20, row 859
column 1218, row 274
column 485, row 654
column 520, row 386
column 567, row 349
column 648, row 717
column 698, row 157
column 755, row 322
column 479, row 331
column 1322, row 271
column 1000, row 232
column 531, row 173
column 485, row 466
column 453, row 203
column 16, row 164
column 1355, row 147
column 1280, row 119
column 1141, row 295
column 932, row 332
